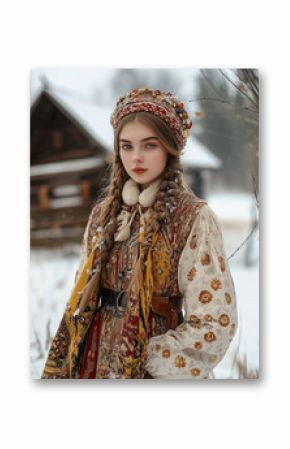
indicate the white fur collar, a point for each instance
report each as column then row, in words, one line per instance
column 131, row 193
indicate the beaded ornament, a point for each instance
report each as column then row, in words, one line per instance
column 163, row 104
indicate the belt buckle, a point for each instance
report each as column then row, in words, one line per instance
column 120, row 308
column 100, row 299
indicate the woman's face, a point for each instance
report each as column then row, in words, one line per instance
column 140, row 147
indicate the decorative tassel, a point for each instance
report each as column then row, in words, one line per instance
column 125, row 219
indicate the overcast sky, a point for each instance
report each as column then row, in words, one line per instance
column 87, row 81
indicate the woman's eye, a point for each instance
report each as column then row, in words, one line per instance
column 148, row 145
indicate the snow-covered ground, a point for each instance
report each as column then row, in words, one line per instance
column 52, row 274
column 237, row 213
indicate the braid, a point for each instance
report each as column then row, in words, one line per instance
column 111, row 208
column 171, row 186
column 166, row 199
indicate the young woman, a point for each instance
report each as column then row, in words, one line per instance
column 153, row 295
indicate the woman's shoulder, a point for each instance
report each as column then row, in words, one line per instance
column 94, row 222
column 96, row 211
column 189, row 201
column 192, row 207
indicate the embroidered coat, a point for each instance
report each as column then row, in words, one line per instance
column 188, row 259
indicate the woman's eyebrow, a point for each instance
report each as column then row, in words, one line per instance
column 143, row 140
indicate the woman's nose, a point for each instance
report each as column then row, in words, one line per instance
column 137, row 156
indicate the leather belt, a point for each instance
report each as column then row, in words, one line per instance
column 169, row 307
column 111, row 298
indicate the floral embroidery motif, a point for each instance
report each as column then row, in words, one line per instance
column 228, row 298
column 205, row 259
column 194, row 321
column 222, row 263
column 224, row 320
column 180, row 362
column 216, row 284
column 191, row 274
column 209, row 336
column 205, row 296
column 59, row 344
column 172, row 352
column 166, row 353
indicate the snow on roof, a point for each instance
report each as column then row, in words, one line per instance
column 96, row 121
column 66, row 166
column 196, row 155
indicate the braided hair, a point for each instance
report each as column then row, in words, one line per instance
column 171, row 186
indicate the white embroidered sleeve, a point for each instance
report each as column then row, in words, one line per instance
column 198, row 344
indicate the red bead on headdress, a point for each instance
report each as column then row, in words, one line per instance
column 163, row 104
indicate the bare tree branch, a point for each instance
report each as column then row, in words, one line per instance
column 244, row 241
column 254, row 227
column 209, row 82
column 48, row 334
column 255, row 189
column 250, row 78
column 244, row 108
column 242, row 92
column 38, row 346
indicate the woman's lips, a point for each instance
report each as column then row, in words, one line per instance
column 139, row 171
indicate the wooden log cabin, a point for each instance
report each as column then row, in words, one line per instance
column 71, row 147
column 69, row 163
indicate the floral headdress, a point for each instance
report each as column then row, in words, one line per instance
column 165, row 105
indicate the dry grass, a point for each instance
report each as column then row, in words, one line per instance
column 244, row 371
column 37, row 348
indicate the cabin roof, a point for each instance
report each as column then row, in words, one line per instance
column 96, row 121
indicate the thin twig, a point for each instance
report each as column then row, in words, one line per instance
column 38, row 346
column 48, row 335
column 244, row 108
column 244, row 241
column 252, row 80
column 237, row 87
column 209, row 82
column 255, row 189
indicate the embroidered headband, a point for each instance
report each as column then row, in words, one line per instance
column 165, row 105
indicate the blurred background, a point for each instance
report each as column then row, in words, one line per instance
column 71, row 149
